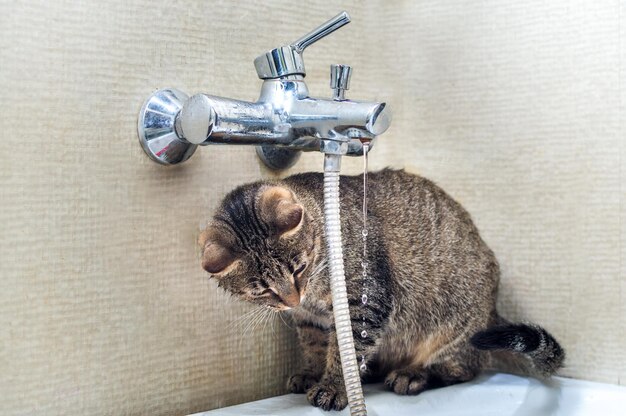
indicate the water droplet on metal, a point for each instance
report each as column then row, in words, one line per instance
column 364, row 334
column 364, row 299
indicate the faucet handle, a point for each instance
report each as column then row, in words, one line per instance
column 287, row 60
column 322, row 31
column 340, row 80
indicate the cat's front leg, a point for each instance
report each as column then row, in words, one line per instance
column 330, row 392
column 314, row 344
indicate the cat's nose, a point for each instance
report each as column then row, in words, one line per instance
column 290, row 298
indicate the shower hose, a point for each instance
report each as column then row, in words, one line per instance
column 343, row 326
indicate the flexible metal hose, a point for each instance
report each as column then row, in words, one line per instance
column 343, row 326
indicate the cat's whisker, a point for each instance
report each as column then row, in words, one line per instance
column 245, row 324
column 249, row 313
column 258, row 320
column 240, row 321
column 283, row 319
column 269, row 317
column 321, row 265
column 318, row 268
column 252, row 321
column 262, row 323
column 275, row 320
column 249, row 322
column 250, row 326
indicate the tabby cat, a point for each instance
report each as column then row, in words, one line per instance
column 431, row 316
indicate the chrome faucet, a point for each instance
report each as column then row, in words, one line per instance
column 284, row 121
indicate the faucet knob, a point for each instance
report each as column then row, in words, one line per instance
column 287, row 60
column 340, row 80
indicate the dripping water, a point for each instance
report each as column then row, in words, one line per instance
column 364, row 232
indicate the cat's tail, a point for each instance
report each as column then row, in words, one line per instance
column 543, row 352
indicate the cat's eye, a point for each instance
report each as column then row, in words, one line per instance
column 264, row 293
column 299, row 270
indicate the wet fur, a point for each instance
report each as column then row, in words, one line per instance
column 431, row 317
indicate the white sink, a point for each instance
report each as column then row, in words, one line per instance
column 488, row 395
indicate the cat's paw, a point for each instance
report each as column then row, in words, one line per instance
column 328, row 396
column 406, row 381
column 301, row 383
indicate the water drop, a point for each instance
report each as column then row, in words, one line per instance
column 363, row 367
column 364, row 264
column 364, row 334
column 364, row 299
column 364, row 232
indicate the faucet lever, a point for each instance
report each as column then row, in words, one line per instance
column 287, row 60
column 321, row 31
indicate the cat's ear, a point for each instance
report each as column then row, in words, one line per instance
column 280, row 209
column 217, row 256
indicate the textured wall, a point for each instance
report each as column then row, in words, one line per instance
column 517, row 110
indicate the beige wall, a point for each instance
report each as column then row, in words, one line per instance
column 516, row 109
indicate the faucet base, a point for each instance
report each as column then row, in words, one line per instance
column 156, row 128
column 277, row 158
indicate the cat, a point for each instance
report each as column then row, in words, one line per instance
column 430, row 317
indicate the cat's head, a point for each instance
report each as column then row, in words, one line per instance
column 261, row 246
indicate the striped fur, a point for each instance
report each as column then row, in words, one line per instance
column 431, row 315
column 536, row 343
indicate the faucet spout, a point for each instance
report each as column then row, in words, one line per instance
column 353, row 119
